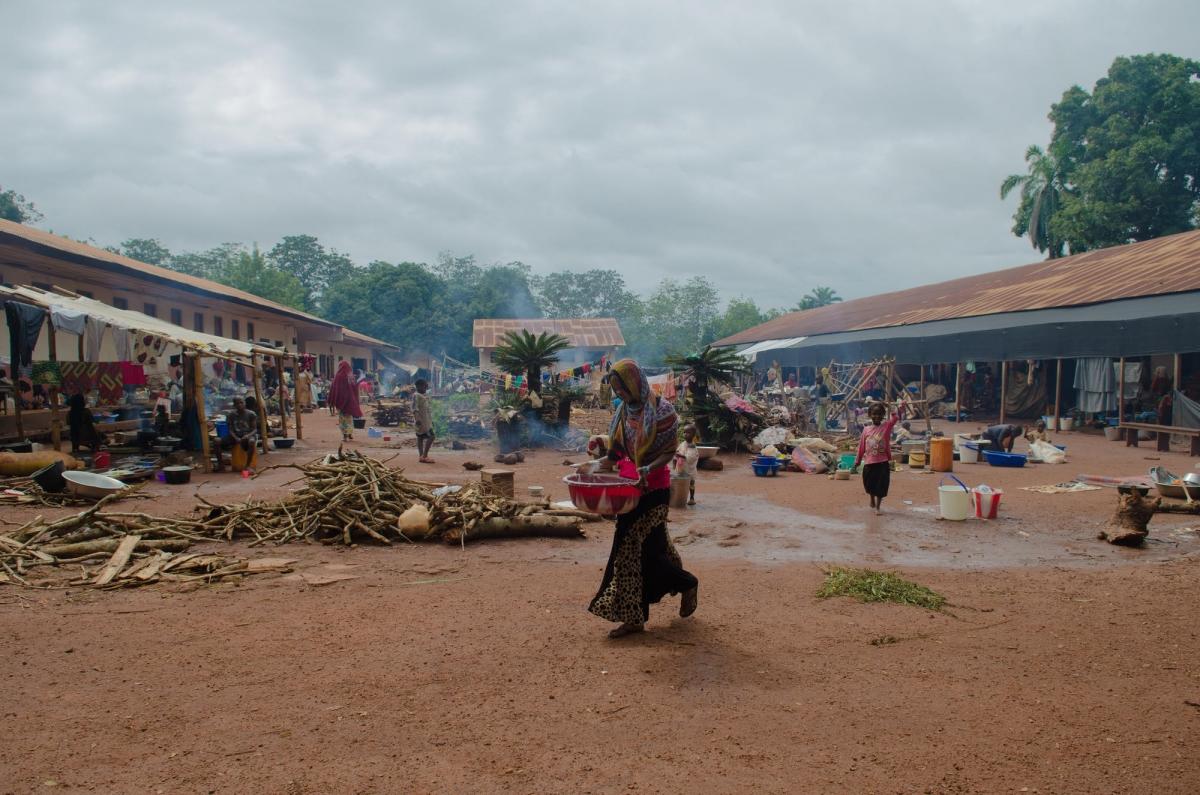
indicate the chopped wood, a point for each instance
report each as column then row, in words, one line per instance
column 118, row 560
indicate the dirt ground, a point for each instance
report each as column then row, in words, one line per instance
column 1062, row 664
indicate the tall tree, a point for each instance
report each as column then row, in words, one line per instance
column 740, row 314
column 15, row 207
column 147, row 250
column 591, row 293
column 1126, row 155
column 315, row 266
column 397, row 303
column 676, row 318
column 1042, row 190
column 207, row 264
column 253, row 273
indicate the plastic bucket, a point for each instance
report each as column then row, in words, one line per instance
column 1065, row 423
column 1112, row 434
column 846, row 460
column 222, row 428
column 916, row 459
column 1050, row 422
column 969, row 453
column 954, row 500
column 941, row 455
column 987, row 501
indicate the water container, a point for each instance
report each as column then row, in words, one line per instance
column 954, row 500
column 222, row 428
column 969, row 453
column 846, row 460
column 987, row 501
column 941, row 455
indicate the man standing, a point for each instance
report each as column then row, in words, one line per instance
column 423, row 415
column 243, row 430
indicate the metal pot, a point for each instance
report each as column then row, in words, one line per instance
column 178, row 475
column 50, row 478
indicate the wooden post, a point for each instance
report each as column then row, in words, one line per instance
column 281, row 394
column 1121, row 391
column 262, row 406
column 958, row 392
column 55, row 422
column 1057, row 395
column 201, row 414
column 1178, row 373
column 1003, row 387
column 296, row 394
column 891, row 377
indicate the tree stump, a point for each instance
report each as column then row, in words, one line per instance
column 1128, row 526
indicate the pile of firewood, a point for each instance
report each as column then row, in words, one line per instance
column 467, row 425
column 387, row 413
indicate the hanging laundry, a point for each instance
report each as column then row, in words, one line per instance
column 132, row 374
column 72, row 321
column 78, row 378
column 147, row 349
column 47, row 373
column 587, row 368
column 24, row 328
column 108, row 381
column 93, row 336
column 123, row 340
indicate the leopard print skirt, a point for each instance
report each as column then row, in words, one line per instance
column 643, row 565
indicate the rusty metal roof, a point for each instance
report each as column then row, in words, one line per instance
column 38, row 245
column 591, row 333
column 1153, row 267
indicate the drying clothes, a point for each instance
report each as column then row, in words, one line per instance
column 123, row 340
column 1095, row 385
column 132, row 374
column 1133, row 378
column 24, row 328
column 72, row 321
column 78, row 378
column 1185, row 412
column 93, row 336
column 47, row 373
column 148, row 349
column 109, row 382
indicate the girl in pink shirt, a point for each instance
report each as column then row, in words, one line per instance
column 875, row 453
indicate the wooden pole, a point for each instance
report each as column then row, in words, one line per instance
column 1003, row 388
column 55, row 422
column 1121, row 391
column 958, row 392
column 296, row 394
column 1178, row 373
column 262, row 406
column 891, row 377
column 281, row 394
column 1057, row 394
column 201, row 414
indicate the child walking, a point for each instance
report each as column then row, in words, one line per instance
column 875, row 449
column 423, row 415
column 687, row 457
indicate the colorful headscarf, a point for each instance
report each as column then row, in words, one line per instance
column 648, row 430
column 343, row 393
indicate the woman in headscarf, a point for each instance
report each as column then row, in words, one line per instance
column 643, row 565
column 343, row 398
column 81, row 426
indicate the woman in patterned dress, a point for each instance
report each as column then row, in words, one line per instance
column 343, row 398
column 643, row 565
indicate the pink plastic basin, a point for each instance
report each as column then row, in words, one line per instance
column 603, row 493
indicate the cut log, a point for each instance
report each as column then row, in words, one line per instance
column 1179, row 507
column 1128, row 526
column 518, row 527
column 111, row 544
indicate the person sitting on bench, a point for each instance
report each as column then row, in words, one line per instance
column 243, row 430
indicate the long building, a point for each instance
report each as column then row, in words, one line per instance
column 33, row 257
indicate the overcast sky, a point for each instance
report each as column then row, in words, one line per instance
column 768, row 146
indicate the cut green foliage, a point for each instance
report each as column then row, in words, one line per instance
column 866, row 585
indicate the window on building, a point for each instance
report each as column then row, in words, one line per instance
column 150, row 309
column 177, row 317
column 198, row 321
column 249, row 331
column 120, row 303
column 218, row 325
column 235, row 329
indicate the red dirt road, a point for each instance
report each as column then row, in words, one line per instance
column 1062, row 665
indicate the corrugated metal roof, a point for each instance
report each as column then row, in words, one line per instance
column 363, row 339
column 590, row 333
column 1153, row 267
column 11, row 233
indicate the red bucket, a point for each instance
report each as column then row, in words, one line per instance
column 101, row 459
column 987, row 501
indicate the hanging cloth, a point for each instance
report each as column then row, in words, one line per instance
column 72, row 321
column 123, row 340
column 110, row 384
column 147, row 349
column 93, row 336
column 1095, row 385
column 47, row 373
column 24, row 328
column 132, row 374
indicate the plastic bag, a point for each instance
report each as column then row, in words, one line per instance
column 814, row 443
column 415, row 520
column 1048, row 453
column 774, row 435
column 808, row 461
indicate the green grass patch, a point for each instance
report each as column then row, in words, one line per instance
column 866, row 585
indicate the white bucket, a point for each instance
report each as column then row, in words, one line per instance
column 969, row 453
column 1065, row 423
column 1050, row 422
column 1111, row 433
column 955, row 501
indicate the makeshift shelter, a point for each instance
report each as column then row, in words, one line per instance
column 146, row 339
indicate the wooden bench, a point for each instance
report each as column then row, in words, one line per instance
column 1163, row 433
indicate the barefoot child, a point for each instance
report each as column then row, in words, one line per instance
column 423, row 415
column 687, row 456
column 875, row 452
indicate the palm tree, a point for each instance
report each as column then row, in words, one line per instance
column 522, row 353
column 1041, row 197
column 818, row 296
column 709, row 366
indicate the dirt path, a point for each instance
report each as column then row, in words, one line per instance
column 1063, row 665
